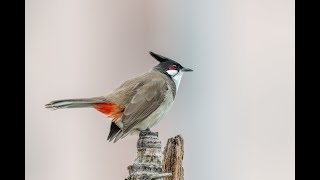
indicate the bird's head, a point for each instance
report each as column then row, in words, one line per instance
column 170, row 67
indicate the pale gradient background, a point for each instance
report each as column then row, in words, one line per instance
column 235, row 111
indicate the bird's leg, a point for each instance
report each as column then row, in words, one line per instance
column 146, row 130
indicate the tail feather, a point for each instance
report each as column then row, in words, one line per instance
column 108, row 108
column 114, row 131
column 72, row 103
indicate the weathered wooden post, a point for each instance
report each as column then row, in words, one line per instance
column 173, row 156
column 148, row 164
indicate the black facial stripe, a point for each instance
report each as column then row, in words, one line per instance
column 175, row 74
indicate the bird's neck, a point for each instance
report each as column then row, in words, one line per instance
column 177, row 78
column 173, row 81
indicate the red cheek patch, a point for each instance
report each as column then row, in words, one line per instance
column 172, row 68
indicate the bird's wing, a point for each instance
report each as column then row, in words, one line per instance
column 146, row 100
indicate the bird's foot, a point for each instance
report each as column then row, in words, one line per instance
column 146, row 131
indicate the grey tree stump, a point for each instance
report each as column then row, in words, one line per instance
column 148, row 164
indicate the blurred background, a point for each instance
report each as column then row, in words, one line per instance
column 235, row 111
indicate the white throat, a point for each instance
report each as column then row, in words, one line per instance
column 177, row 78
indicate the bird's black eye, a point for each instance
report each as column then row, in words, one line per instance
column 172, row 67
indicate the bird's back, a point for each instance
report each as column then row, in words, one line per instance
column 127, row 90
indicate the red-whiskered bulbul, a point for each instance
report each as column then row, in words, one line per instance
column 138, row 103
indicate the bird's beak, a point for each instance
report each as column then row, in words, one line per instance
column 186, row 69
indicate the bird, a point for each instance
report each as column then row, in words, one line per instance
column 138, row 103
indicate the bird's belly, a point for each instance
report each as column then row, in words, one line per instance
column 157, row 115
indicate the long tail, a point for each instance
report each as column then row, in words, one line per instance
column 73, row 103
column 108, row 108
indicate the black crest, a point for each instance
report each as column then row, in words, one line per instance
column 164, row 62
column 159, row 57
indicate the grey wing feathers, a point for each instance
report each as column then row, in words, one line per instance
column 147, row 99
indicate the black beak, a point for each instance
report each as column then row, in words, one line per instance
column 186, row 69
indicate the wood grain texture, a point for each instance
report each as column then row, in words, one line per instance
column 172, row 158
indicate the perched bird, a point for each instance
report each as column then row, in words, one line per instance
column 138, row 103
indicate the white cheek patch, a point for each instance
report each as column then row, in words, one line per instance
column 172, row 72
